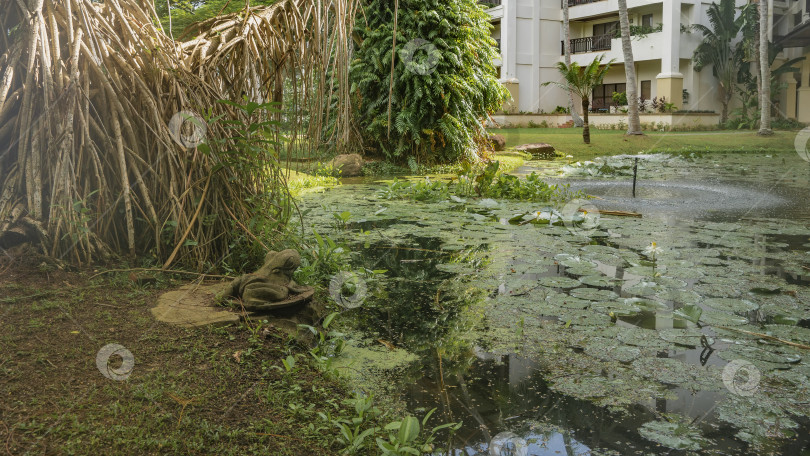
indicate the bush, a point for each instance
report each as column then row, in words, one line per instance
column 786, row 124
column 444, row 81
column 620, row 98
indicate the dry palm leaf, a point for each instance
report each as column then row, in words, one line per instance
column 90, row 162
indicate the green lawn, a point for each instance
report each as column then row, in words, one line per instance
column 568, row 141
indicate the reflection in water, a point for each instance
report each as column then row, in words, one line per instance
column 498, row 394
column 506, row 406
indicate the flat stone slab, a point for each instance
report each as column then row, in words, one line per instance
column 538, row 150
column 193, row 305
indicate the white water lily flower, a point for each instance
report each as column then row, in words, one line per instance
column 457, row 199
column 653, row 250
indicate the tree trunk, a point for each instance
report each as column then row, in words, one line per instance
column 633, row 121
column 586, row 130
column 567, row 52
column 757, row 75
column 724, row 112
column 765, row 71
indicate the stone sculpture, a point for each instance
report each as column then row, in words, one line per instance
column 272, row 286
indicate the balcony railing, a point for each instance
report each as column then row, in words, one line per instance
column 588, row 44
column 490, row 3
column 582, row 2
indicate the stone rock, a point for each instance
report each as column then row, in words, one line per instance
column 193, row 305
column 498, row 142
column 349, row 165
column 541, row 151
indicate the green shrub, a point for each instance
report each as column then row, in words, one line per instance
column 444, row 81
column 620, row 98
column 786, row 124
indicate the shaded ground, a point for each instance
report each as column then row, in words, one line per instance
column 187, row 393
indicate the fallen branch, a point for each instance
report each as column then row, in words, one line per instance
column 767, row 337
column 617, row 213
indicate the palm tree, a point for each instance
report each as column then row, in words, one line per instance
column 765, row 72
column 567, row 52
column 633, row 122
column 581, row 81
column 748, row 21
column 716, row 50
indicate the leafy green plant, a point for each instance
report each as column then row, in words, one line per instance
column 250, row 150
column 620, row 98
column 483, row 181
column 355, row 431
column 529, row 189
column 422, row 190
column 580, row 81
column 403, row 436
column 321, row 260
column 329, row 343
column 341, row 219
column 429, row 107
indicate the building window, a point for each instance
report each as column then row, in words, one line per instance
column 608, row 28
column 603, row 95
column 646, row 89
column 647, row 21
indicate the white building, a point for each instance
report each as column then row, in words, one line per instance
column 530, row 36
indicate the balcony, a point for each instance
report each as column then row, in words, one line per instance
column 580, row 2
column 489, row 3
column 588, row 44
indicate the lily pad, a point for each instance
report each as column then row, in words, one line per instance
column 790, row 333
column 608, row 350
column 646, row 304
column 731, row 305
column 593, row 294
column 645, row 338
column 568, row 302
column 618, row 308
column 599, row 281
column 765, row 354
column 679, row 296
column 678, row 435
column 559, row 282
column 685, row 337
column 712, row 317
column 666, row 370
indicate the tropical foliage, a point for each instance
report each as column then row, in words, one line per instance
column 101, row 149
column 428, row 101
column 716, row 49
column 187, row 12
column 580, row 81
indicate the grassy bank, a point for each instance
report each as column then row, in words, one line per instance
column 568, row 141
column 206, row 390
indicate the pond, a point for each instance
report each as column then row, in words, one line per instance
column 544, row 339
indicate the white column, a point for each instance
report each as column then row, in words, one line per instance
column 670, row 60
column 509, row 39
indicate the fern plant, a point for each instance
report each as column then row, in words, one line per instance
column 443, row 84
